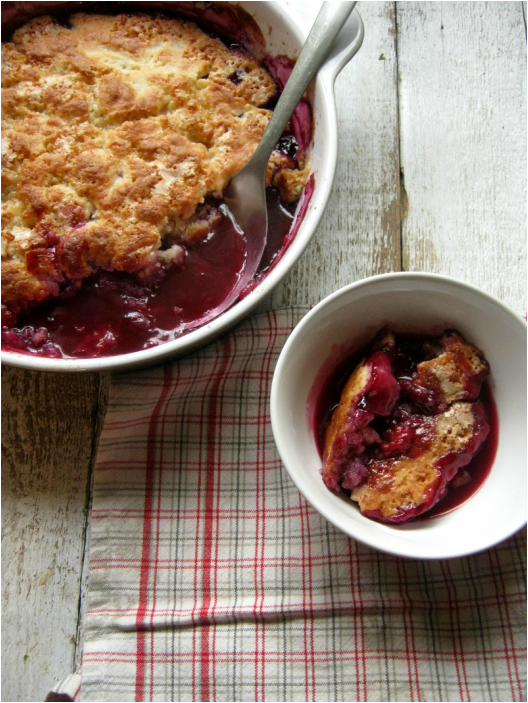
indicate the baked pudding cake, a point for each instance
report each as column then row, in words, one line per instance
column 409, row 417
column 119, row 135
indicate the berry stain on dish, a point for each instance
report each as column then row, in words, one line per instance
column 115, row 234
column 407, row 426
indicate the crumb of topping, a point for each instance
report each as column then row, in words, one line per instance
column 454, row 374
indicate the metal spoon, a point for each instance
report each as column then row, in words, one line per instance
column 245, row 196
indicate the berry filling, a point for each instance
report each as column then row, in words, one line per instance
column 410, row 416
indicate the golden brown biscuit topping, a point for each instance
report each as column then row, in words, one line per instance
column 116, row 130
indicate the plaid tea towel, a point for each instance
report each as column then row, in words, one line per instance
column 212, row 579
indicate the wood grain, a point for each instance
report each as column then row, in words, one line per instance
column 462, row 87
column 47, row 451
column 360, row 232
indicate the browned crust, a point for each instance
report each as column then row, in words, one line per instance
column 353, row 392
column 114, row 134
column 450, row 373
column 403, row 483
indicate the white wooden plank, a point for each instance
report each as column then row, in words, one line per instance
column 462, row 71
column 360, row 232
column 48, row 426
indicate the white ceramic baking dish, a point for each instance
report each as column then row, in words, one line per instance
column 283, row 34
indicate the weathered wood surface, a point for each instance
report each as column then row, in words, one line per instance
column 49, row 427
column 462, row 96
column 431, row 176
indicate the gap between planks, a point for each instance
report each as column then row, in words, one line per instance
column 102, row 406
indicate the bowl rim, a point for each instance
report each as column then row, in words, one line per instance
column 208, row 332
column 417, row 551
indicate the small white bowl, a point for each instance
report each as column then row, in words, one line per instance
column 409, row 302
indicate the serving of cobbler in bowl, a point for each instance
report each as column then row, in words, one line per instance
column 398, row 406
column 120, row 133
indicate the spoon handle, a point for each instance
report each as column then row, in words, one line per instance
column 328, row 23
